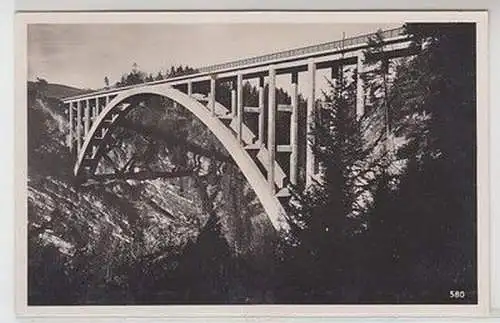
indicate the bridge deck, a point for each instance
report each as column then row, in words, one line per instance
column 285, row 62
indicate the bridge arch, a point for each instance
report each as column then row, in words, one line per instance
column 246, row 164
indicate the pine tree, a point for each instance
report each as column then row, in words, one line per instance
column 149, row 78
column 425, row 227
column 159, row 76
column 328, row 215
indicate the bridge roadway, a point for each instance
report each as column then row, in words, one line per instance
column 93, row 116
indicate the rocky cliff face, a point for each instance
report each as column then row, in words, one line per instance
column 103, row 241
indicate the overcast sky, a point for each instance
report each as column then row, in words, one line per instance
column 82, row 55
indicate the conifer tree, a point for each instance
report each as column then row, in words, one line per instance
column 328, row 215
column 424, row 228
column 159, row 76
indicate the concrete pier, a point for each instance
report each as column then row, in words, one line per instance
column 86, row 120
column 78, row 126
column 233, row 98
column 294, row 130
column 70, row 126
column 311, row 113
column 360, row 91
column 261, row 111
column 239, row 95
column 271, row 129
column 212, row 95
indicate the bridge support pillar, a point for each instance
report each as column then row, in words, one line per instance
column 360, row 92
column 190, row 88
column 239, row 95
column 95, row 110
column 271, row 127
column 294, row 128
column 102, row 107
column 261, row 110
column 86, row 121
column 311, row 114
column 78, row 126
column 233, row 98
column 98, row 108
column 70, row 126
column 212, row 95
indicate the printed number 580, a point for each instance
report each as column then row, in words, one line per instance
column 457, row 294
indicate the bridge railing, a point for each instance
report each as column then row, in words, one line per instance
column 329, row 46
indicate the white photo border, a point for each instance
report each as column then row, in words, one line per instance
column 481, row 309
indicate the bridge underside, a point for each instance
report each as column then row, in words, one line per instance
column 101, row 136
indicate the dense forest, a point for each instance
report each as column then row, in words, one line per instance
column 392, row 218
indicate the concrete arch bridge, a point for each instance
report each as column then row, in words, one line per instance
column 94, row 117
